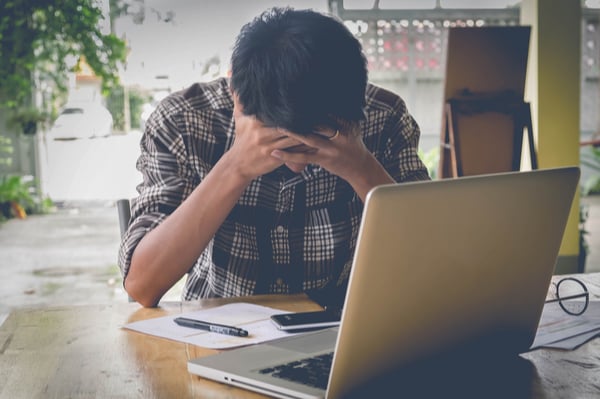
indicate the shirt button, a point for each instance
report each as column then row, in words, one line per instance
column 280, row 229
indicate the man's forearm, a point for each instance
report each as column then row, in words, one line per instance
column 166, row 253
column 371, row 175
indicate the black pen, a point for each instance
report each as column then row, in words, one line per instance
column 212, row 327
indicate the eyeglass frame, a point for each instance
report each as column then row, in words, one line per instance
column 560, row 299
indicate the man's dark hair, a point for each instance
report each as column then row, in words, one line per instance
column 299, row 69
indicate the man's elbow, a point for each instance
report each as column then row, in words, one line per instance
column 140, row 294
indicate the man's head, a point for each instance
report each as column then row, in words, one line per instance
column 299, row 69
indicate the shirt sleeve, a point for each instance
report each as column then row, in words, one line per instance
column 166, row 179
column 400, row 134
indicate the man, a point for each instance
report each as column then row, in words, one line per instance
column 256, row 184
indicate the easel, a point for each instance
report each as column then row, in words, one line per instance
column 492, row 106
column 484, row 113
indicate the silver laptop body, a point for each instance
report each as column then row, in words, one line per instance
column 438, row 264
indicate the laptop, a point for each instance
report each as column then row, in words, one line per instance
column 459, row 266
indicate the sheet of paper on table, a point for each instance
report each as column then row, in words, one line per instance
column 559, row 330
column 253, row 318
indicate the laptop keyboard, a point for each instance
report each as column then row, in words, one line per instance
column 312, row 371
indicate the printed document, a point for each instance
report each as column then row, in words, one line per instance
column 559, row 330
column 253, row 318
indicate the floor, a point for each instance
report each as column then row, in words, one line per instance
column 63, row 258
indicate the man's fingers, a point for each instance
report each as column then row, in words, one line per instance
column 293, row 157
column 311, row 140
column 300, row 148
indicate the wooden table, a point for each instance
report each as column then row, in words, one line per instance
column 82, row 352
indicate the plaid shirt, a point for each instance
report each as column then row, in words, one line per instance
column 288, row 232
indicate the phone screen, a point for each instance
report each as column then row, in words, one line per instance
column 306, row 320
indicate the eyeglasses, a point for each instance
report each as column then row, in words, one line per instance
column 572, row 295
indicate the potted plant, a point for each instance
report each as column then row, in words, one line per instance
column 583, row 245
column 27, row 120
column 15, row 197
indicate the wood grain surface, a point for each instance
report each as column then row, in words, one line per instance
column 82, row 352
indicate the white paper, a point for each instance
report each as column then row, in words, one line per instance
column 574, row 342
column 253, row 318
column 557, row 329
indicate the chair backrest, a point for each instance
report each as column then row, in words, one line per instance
column 124, row 210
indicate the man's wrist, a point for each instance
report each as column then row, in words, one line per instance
column 233, row 169
column 369, row 175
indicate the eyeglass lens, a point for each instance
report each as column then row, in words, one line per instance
column 572, row 295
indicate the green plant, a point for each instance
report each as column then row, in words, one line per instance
column 41, row 39
column 591, row 158
column 18, row 198
column 15, row 196
column 6, row 151
column 27, row 120
column 114, row 103
column 584, row 248
column 592, row 185
column 431, row 160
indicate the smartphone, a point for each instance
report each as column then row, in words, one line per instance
column 306, row 320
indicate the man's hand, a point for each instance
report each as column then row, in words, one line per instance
column 254, row 143
column 341, row 153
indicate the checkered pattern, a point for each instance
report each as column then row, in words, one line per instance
column 290, row 232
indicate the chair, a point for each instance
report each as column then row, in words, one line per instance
column 124, row 211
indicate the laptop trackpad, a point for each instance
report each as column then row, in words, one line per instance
column 309, row 343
